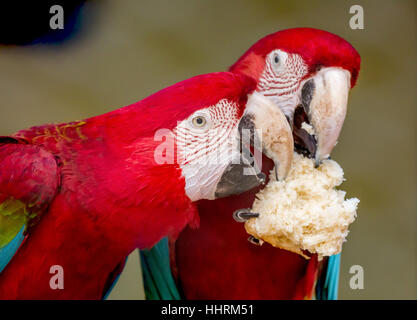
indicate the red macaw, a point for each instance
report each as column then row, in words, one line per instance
column 89, row 192
column 307, row 73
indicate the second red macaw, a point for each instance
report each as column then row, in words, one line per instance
column 306, row 73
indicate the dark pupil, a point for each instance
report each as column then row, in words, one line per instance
column 199, row 121
column 276, row 59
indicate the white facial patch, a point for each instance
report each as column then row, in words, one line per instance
column 280, row 80
column 206, row 144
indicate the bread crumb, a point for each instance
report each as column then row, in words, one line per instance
column 304, row 212
column 309, row 128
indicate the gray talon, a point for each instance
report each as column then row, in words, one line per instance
column 254, row 241
column 243, row 215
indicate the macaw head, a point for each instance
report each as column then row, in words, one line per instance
column 307, row 73
column 205, row 127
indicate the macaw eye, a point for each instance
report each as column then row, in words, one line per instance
column 199, row 121
column 276, row 59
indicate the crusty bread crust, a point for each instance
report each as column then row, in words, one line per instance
column 305, row 212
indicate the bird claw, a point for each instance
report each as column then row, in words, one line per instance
column 255, row 241
column 243, row 215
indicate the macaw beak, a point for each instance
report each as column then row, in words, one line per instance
column 324, row 98
column 264, row 126
column 272, row 128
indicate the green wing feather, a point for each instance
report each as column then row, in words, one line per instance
column 29, row 179
column 13, row 216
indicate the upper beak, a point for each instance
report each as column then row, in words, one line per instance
column 272, row 128
column 324, row 98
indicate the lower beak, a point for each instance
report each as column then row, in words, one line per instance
column 324, row 98
column 265, row 127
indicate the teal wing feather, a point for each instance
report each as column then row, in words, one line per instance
column 157, row 276
column 29, row 180
column 7, row 252
column 327, row 288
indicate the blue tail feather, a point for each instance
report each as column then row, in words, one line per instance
column 329, row 289
column 7, row 252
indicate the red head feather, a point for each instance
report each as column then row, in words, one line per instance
column 318, row 48
column 175, row 103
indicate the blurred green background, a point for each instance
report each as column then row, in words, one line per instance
column 130, row 49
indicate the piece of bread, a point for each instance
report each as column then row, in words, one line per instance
column 304, row 212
